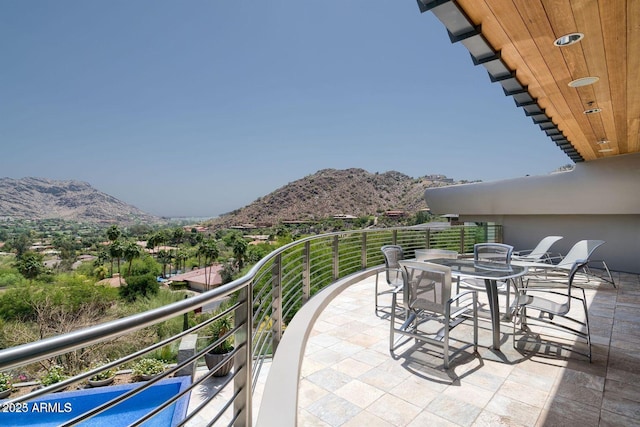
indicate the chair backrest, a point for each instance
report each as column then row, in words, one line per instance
column 429, row 285
column 426, row 254
column 492, row 255
column 580, row 251
column 392, row 254
column 543, row 247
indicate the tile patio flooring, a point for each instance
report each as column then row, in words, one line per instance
column 349, row 377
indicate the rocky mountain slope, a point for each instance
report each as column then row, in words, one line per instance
column 331, row 192
column 40, row 198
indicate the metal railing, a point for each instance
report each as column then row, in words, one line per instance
column 263, row 302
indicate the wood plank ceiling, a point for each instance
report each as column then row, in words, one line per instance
column 521, row 35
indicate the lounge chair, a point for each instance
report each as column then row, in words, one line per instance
column 582, row 250
column 538, row 254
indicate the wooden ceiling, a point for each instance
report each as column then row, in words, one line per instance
column 521, row 35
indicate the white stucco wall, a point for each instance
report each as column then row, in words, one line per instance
column 597, row 200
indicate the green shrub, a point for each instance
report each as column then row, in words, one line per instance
column 145, row 265
column 148, row 366
column 54, row 374
column 5, row 381
column 10, row 278
column 217, row 330
column 145, row 285
column 71, row 293
column 102, row 375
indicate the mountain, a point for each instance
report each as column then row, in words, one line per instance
column 40, row 198
column 331, row 192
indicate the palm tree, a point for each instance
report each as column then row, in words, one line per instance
column 164, row 258
column 178, row 236
column 152, row 242
column 181, row 259
column 131, row 251
column 239, row 246
column 209, row 250
column 113, row 233
column 116, row 250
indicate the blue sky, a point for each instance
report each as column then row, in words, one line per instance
column 196, row 108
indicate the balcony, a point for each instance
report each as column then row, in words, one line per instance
column 344, row 375
column 349, row 378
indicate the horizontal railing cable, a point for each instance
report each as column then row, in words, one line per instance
column 279, row 284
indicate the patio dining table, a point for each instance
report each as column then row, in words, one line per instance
column 491, row 274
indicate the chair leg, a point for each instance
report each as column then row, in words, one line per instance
column 376, row 294
column 445, row 344
column 586, row 322
column 507, row 308
column 609, row 273
column 392, row 322
column 475, row 322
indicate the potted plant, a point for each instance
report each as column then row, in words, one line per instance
column 147, row 368
column 102, row 378
column 6, row 385
column 217, row 354
column 54, row 374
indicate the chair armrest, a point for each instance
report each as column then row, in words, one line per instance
column 522, row 253
column 460, row 295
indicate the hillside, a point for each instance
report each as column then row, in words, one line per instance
column 40, row 198
column 331, row 192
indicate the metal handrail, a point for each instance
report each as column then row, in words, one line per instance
column 269, row 294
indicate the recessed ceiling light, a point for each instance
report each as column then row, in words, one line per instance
column 603, row 141
column 584, row 81
column 568, row 39
column 592, row 110
column 605, row 150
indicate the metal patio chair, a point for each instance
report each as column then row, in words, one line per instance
column 551, row 302
column 392, row 271
column 432, row 310
column 427, row 254
column 492, row 256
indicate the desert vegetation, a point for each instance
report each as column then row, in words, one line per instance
column 51, row 273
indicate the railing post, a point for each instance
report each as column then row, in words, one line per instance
column 243, row 361
column 336, row 266
column 276, row 302
column 394, row 237
column 363, row 251
column 462, row 229
column 428, row 237
column 306, row 271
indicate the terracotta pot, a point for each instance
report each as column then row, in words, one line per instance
column 213, row 359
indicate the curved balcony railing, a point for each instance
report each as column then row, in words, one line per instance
column 264, row 301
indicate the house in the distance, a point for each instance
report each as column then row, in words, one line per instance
column 197, row 279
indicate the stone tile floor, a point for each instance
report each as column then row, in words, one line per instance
column 350, row 378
